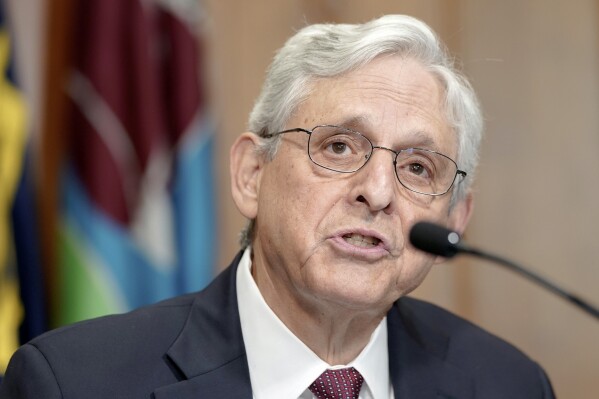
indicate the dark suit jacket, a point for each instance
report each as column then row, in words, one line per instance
column 192, row 347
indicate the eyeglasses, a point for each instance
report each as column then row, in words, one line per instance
column 346, row 151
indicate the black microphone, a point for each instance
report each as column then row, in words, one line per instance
column 438, row 240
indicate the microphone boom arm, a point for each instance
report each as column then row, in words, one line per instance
column 440, row 241
column 549, row 285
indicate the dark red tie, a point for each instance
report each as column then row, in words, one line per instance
column 338, row 384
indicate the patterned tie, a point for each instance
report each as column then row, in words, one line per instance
column 338, row 384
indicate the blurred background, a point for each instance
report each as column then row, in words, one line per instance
column 116, row 118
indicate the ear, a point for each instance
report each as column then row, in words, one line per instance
column 460, row 214
column 246, row 167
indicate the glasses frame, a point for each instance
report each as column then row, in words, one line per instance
column 459, row 172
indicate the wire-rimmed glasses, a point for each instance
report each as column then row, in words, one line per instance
column 346, row 151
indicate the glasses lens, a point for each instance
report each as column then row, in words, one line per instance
column 338, row 149
column 425, row 172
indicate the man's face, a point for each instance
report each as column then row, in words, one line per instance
column 310, row 221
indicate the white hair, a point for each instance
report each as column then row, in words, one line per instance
column 330, row 50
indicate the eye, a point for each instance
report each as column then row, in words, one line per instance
column 338, row 147
column 417, row 169
column 414, row 165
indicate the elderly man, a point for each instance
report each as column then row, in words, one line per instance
column 359, row 132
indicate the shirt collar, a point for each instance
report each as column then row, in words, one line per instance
column 282, row 366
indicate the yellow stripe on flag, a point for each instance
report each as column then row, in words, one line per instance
column 12, row 139
column 10, row 317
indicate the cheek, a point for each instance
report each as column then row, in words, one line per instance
column 301, row 193
column 416, row 267
column 285, row 201
column 302, row 215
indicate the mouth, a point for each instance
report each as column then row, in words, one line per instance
column 361, row 241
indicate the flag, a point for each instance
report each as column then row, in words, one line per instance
column 27, row 249
column 12, row 139
column 137, row 209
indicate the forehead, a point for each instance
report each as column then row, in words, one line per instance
column 393, row 99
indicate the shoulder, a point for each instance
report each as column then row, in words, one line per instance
column 156, row 322
column 452, row 337
column 494, row 364
column 428, row 322
column 154, row 327
column 82, row 357
column 124, row 355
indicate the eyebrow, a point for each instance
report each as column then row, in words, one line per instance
column 417, row 138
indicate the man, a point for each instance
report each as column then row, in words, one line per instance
column 359, row 132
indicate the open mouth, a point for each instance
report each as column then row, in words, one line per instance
column 361, row 241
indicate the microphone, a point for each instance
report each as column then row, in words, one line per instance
column 440, row 241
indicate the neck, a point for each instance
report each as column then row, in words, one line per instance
column 335, row 332
column 336, row 338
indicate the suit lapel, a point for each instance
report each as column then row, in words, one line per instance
column 209, row 354
column 231, row 380
column 417, row 359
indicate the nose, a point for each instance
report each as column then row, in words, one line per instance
column 376, row 183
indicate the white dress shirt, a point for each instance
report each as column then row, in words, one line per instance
column 282, row 366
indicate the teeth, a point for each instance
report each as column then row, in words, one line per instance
column 361, row 241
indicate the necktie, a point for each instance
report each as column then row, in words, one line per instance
column 338, row 384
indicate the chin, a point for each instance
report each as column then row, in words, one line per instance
column 358, row 297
